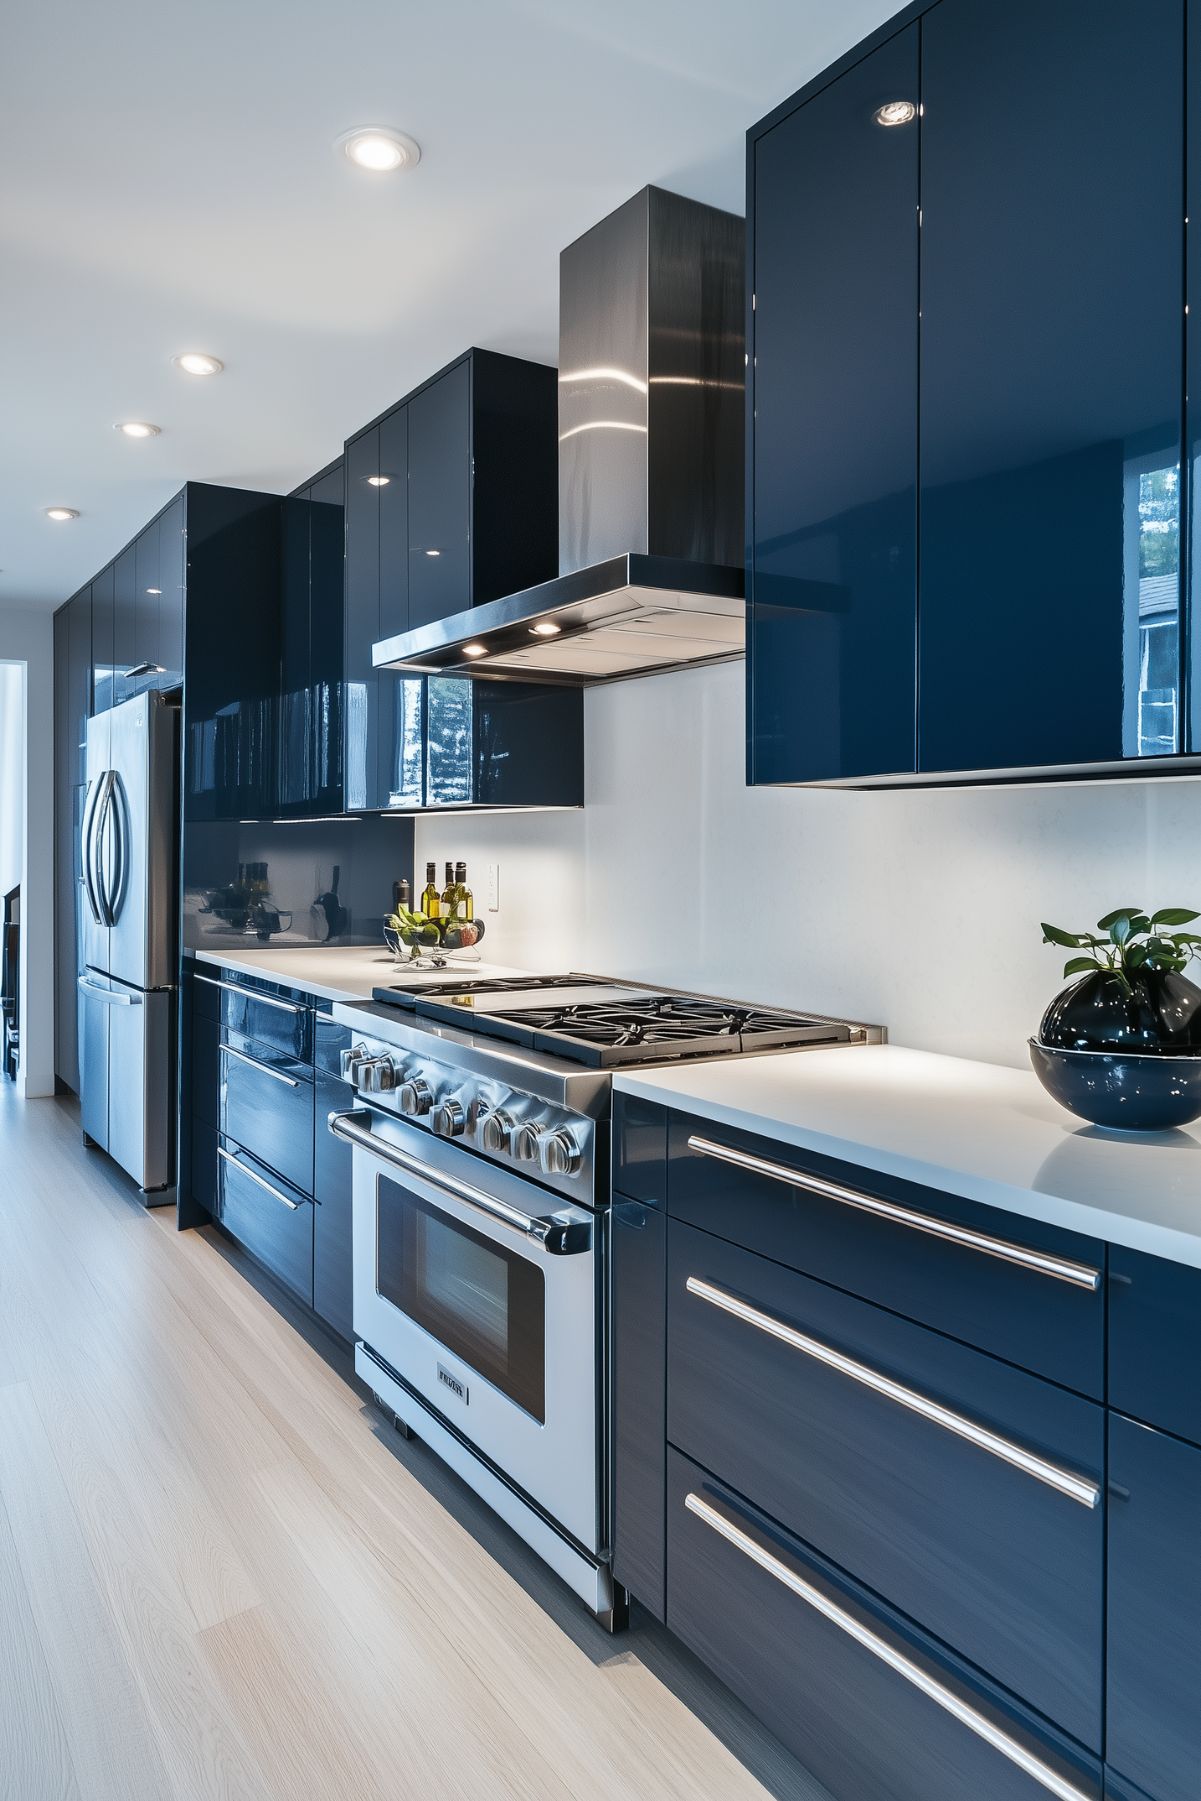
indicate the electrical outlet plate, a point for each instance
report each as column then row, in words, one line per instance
column 494, row 887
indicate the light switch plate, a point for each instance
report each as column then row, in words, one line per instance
column 494, row 887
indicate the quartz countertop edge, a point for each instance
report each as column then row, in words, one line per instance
column 981, row 1131
column 345, row 973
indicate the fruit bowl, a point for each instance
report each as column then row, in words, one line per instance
column 1125, row 1090
column 412, row 939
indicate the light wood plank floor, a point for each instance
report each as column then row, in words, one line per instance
column 223, row 1575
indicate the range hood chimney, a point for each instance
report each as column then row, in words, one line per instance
column 651, row 431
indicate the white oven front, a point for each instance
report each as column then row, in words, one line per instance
column 480, row 1290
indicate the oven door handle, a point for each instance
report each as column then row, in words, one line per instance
column 559, row 1238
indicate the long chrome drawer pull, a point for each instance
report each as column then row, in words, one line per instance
column 896, row 1660
column 249, row 994
column 1077, row 1488
column 561, row 1238
column 1081, row 1275
column 264, row 1069
column 241, row 1168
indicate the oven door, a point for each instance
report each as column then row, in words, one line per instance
column 480, row 1290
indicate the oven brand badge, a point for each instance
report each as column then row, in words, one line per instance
column 458, row 1389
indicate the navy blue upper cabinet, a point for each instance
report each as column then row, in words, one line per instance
column 832, row 622
column 172, row 582
column 1193, row 355
column 362, row 590
column 393, row 482
column 1051, row 381
column 311, row 632
column 439, row 521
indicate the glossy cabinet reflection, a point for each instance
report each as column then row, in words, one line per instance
column 311, row 634
column 451, row 499
column 1051, row 383
column 1019, row 242
column 831, row 618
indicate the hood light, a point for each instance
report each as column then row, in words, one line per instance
column 545, row 628
column 895, row 112
column 61, row 513
column 475, row 650
column 137, row 428
column 198, row 362
column 379, row 149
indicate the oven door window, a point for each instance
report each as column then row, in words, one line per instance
column 484, row 1301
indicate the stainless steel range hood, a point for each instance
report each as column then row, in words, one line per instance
column 651, row 387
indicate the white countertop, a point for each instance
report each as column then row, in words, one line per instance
column 342, row 972
column 978, row 1130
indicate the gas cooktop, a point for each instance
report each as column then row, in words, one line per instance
column 607, row 1024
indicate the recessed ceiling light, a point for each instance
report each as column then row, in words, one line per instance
column 433, row 553
column 895, row 112
column 475, row 650
column 198, row 362
column 61, row 513
column 546, row 628
column 378, row 481
column 137, row 428
column 379, row 149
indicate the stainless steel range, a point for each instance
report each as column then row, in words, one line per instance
column 480, row 1224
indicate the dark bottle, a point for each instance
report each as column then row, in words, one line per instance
column 401, row 895
column 431, row 900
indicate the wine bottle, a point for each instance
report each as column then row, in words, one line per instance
column 431, row 900
column 464, row 899
column 448, row 893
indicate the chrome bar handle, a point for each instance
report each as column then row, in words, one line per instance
column 268, row 1000
column 112, row 997
column 1062, row 1269
column 906, row 1667
column 244, row 1170
column 143, row 669
column 555, row 1236
column 88, row 877
column 99, row 824
column 1065, row 1482
column 277, row 1075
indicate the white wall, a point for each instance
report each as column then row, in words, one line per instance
column 26, row 636
column 12, row 774
column 919, row 910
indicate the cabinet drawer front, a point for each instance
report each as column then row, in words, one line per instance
column 1024, row 1291
column 329, row 1041
column 1153, row 1719
column 967, row 1492
column 284, row 1024
column 1155, row 1341
column 873, row 1708
column 266, row 1105
column 270, row 1218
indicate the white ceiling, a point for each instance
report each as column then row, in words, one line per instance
column 169, row 184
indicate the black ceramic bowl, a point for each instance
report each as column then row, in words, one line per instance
column 1121, row 1089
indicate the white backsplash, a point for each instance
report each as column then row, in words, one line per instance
column 917, row 909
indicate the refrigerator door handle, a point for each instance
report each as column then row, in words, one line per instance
column 99, row 827
column 87, row 864
column 112, row 997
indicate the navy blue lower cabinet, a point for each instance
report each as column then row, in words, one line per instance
column 875, row 1709
column 968, row 1492
column 266, row 1105
column 1153, row 1713
column 333, row 1284
column 272, row 1019
column 270, row 1218
column 1155, row 1341
column 640, row 1149
column 638, row 1319
column 1024, row 1291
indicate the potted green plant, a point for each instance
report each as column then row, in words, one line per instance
column 1121, row 1046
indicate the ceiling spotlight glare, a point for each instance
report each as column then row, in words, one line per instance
column 61, row 513
column 198, row 362
column 379, row 149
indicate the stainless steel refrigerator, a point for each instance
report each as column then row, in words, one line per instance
column 129, row 957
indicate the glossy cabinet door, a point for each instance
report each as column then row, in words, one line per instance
column 394, row 522
column 79, row 679
column 361, row 695
column 1153, row 1719
column 148, row 594
column 333, row 1289
column 831, row 623
column 1051, row 383
column 103, row 682
column 1192, row 351
column 125, row 624
column 172, row 581
column 638, row 1321
column 439, row 522
column 294, row 709
column 326, row 556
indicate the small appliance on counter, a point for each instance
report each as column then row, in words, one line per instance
column 480, row 1231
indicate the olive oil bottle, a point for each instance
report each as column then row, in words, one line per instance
column 448, row 893
column 464, row 899
column 431, row 900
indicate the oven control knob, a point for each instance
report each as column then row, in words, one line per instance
column 497, row 1130
column 350, row 1060
column 449, row 1120
column 558, row 1152
column 415, row 1096
column 378, row 1076
column 524, row 1143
